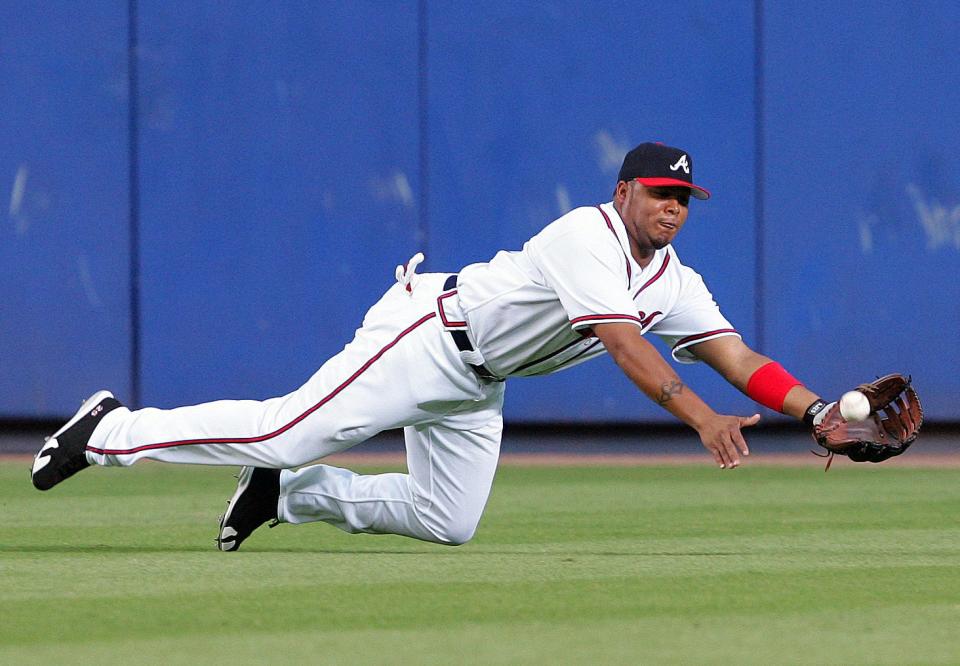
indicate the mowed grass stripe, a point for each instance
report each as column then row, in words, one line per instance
column 888, row 636
column 623, row 561
column 395, row 605
column 595, row 560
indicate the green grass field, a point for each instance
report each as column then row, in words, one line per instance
column 627, row 565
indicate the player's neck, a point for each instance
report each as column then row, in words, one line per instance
column 643, row 256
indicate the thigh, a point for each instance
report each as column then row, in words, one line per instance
column 452, row 463
column 398, row 370
column 401, row 368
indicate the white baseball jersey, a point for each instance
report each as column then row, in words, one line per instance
column 530, row 312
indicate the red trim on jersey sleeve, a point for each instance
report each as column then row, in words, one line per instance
column 605, row 319
column 690, row 339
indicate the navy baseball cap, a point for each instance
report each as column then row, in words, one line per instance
column 657, row 165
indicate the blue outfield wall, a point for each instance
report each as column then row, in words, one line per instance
column 531, row 109
column 280, row 177
column 861, row 194
column 65, row 326
column 288, row 155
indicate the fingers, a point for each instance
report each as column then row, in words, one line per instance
column 717, row 458
column 753, row 420
column 733, row 445
column 740, row 443
column 728, row 443
column 738, row 438
column 724, row 451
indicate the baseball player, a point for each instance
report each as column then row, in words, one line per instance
column 432, row 357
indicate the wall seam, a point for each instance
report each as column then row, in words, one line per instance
column 759, row 175
column 423, row 227
column 133, row 166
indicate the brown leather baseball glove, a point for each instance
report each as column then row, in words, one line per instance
column 894, row 422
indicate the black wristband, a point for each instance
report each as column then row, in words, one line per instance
column 815, row 408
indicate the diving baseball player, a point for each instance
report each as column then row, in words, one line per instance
column 432, row 357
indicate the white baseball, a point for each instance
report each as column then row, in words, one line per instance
column 854, row 406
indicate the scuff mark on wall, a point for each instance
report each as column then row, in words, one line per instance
column 86, row 281
column 394, row 187
column 941, row 224
column 20, row 220
column 563, row 199
column 611, row 151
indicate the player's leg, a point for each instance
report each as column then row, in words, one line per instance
column 399, row 360
column 375, row 383
column 451, row 467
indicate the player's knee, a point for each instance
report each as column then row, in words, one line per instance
column 454, row 533
column 455, row 537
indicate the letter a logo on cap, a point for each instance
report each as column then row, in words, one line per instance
column 682, row 162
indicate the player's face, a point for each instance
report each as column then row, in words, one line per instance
column 654, row 215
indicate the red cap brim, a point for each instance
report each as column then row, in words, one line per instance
column 696, row 191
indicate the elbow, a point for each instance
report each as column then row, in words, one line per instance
column 618, row 348
column 624, row 343
column 634, row 354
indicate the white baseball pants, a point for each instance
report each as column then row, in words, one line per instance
column 401, row 370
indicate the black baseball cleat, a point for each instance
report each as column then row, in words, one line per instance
column 64, row 453
column 254, row 503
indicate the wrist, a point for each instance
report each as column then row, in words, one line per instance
column 684, row 404
column 816, row 412
column 700, row 418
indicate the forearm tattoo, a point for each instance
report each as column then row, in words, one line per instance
column 668, row 390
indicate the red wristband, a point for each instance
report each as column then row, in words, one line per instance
column 770, row 384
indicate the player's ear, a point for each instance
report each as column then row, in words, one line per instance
column 620, row 191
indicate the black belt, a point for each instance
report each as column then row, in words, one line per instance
column 463, row 342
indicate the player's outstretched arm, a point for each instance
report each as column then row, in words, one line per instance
column 771, row 386
column 644, row 365
column 874, row 422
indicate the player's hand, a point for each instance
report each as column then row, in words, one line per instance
column 722, row 438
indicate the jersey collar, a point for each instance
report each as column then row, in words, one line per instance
column 621, row 231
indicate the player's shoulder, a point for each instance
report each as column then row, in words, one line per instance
column 583, row 221
column 580, row 215
column 685, row 275
column 578, row 222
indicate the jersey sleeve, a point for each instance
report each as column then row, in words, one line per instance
column 583, row 262
column 696, row 318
